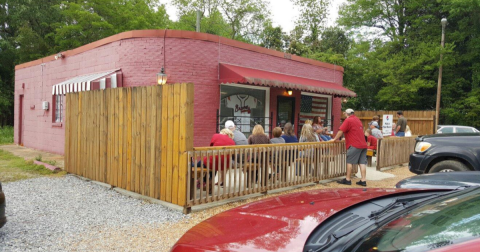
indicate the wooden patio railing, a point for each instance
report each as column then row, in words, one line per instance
column 394, row 151
column 251, row 169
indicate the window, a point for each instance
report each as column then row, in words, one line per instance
column 446, row 130
column 464, row 130
column 58, row 108
column 246, row 106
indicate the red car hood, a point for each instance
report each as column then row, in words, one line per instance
column 280, row 223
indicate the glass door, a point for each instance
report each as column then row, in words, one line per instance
column 285, row 110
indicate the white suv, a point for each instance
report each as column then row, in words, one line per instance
column 455, row 129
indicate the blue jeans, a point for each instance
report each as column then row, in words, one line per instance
column 400, row 134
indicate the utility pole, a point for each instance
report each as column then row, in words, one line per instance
column 199, row 17
column 439, row 89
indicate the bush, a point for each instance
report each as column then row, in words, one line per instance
column 6, row 135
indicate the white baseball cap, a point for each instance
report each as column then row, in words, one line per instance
column 349, row 111
column 229, row 124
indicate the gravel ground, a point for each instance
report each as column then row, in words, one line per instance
column 57, row 214
column 169, row 233
column 116, row 223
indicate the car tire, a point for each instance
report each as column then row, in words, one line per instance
column 448, row 166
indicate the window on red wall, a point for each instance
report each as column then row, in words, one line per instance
column 57, row 105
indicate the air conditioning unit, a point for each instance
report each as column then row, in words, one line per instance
column 45, row 105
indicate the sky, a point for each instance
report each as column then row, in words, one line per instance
column 283, row 12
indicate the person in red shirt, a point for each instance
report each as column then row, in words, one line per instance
column 225, row 138
column 352, row 128
column 371, row 140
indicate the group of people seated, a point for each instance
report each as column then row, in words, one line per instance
column 229, row 136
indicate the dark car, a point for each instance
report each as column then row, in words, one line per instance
column 345, row 220
column 3, row 219
column 441, row 180
column 446, row 153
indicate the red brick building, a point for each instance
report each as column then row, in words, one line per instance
column 233, row 80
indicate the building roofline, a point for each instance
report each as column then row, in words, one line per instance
column 184, row 35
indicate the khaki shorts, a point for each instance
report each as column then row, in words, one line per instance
column 356, row 156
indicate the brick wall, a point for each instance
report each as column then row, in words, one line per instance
column 186, row 60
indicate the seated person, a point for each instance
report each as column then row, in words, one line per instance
column 277, row 136
column 377, row 120
column 325, row 135
column 371, row 140
column 238, row 137
column 258, row 136
column 288, row 134
column 225, row 138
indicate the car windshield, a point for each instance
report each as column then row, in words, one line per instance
column 441, row 222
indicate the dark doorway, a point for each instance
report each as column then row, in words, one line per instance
column 285, row 110
column 20, row 121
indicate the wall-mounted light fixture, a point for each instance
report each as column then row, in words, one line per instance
column 344, row 99
column 161, row 77
column 59, row 56
column 289, row 91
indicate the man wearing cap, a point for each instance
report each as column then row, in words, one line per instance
column 375, row 131
column 238, row 137
column 401, row 125
column 356, row 146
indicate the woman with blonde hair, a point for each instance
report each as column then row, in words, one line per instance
column 258, row 136
column 408, row 133
column 307, row 134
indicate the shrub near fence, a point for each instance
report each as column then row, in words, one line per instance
column 420, row 122
column 259, row 168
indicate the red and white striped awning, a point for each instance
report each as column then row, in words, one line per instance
column 243, row 75
column 81, row 83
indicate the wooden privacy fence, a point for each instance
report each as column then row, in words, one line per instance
column 133, row 138
column 250, row 169
column 420, row 122
column 394, row 151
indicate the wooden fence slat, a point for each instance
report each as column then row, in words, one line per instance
column 129, row 151
column 158, row 141
column 163, row 172
column 153, row 129
column 176, row 142
column 148, row 139
column 138, row 143
column 142, row 141
column 171, row 139
column 121, row 129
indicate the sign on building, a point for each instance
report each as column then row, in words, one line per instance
column 387, row 125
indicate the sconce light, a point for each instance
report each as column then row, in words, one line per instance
column 289, row 91
column 344, row 99
column 59, row 56
column 161, row 77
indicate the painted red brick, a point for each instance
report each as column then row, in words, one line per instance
column 185, row 60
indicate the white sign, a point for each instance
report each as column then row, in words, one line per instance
column 387, row 125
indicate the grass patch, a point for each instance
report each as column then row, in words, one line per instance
column 6, row 135
column 13, row 168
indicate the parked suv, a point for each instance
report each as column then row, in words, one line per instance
column 3, row 219
column 442, row 129
column 445, row 153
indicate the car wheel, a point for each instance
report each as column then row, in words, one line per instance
column 449, row 166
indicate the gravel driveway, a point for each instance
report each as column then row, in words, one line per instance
column 67, row 213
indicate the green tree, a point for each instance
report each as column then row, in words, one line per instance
column 273, row 37
column 313, row 15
